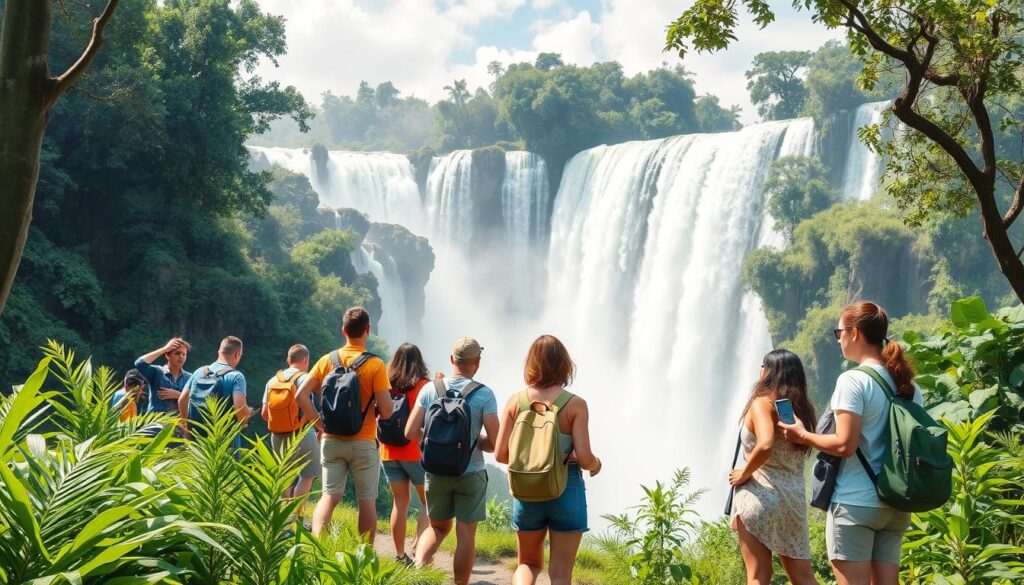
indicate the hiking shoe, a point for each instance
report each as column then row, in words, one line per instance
column 404, row 559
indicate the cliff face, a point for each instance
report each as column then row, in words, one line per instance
column 414, row 259
column 486, row 183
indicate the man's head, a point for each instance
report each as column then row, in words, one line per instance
column 230, row 351
column 356, row 325
column 466, row 356
column 298, row 357
column 177, row 356
column 134, row 383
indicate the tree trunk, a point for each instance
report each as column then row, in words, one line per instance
column 998, row 238
column 27, row 93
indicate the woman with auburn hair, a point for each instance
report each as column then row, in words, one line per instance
column 407, row 373
column 769, row 506
column 547, row 372
column 863, row 535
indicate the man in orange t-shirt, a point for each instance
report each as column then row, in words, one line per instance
column 357, row 453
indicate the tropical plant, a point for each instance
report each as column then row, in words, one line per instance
column 976, row 537
column 974, row 364
column 499, row 514
column 655, row 534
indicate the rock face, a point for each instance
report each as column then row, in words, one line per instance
column 485, row 185
column 414, row 259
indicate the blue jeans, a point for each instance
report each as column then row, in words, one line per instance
column 566, row 513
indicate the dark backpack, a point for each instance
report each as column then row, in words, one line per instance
column 341, row 397
column 826, row 467
column 447, row 432
column 391, row 431
column 206, row 385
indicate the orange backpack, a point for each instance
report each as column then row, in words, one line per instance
column 283, row 410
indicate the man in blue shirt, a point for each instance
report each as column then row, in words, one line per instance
column 165, row 382
column 231, row 386
column 462, row 498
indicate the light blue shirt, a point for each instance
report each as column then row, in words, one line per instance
column 481, row 403
column 232, row 383
column 860, row 394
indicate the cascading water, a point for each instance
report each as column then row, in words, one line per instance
column 863, row 167
column 370, row 258
column 382, row 185
column 524, row 204
column 449, row 198
column 647, row 247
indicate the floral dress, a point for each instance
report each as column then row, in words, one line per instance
column 773, row 504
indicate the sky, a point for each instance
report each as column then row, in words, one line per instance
column 422, row 45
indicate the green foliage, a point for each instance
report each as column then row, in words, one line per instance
column 655, row 534
column 712, row 117
column 974, row 364
column 797, row 188
column 832, row 86
column 977, row 536
column 499, row 514
column 775, row 83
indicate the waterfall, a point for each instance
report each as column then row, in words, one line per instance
column 524, row 204
column 863, row 167
column 369, row 258
column 647, row 247
column 382, row 185
column 449, row 200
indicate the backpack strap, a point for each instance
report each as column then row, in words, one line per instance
column 562, row 400
column 524, row 400
column 878, row 378
column 440, row 387
column 469, row 389
column 335, row 358
column 280, row 376
column 295, row 376
column 360, row 360
column 224, row 372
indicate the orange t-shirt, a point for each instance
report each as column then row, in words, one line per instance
column 130, row 410
column 410, row 452
column 373, row 377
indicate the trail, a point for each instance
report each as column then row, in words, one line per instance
column 485, row 572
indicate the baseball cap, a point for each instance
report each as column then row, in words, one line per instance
column 466, row 348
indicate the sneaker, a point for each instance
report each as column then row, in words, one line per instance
column 404, row 559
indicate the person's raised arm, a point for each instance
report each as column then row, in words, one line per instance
column 152, row 356
column 581, row 438
column 304, row 395
column 843, row 443
column 763, row 422
column 414, row 427
column 508, row 418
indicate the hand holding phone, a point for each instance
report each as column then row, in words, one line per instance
column 785, row 409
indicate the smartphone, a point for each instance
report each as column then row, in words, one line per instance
column 785, row 409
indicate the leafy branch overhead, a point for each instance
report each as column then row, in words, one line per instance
column 959, row 66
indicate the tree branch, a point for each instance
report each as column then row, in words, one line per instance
column 1016, row 206
column 857, row 21
column 65, row 80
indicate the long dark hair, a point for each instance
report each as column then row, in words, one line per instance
column 407, row 367
column 783, row 377
column 874, row 326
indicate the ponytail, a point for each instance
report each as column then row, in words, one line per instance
column 874, row 325
column 900, row 369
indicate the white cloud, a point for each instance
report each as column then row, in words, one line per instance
column 334, row 44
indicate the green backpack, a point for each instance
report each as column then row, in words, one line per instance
column 917, row 472
column 537, row 469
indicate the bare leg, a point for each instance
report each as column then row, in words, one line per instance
column 885, row 573
column 465, row 551
column 564, row 546
column 799, row 571
column 400, row 494
column 531, row 556
column 431, row 540
column 368, row 519
column 301, row 491
column 852, row 572
column 322, row 513
column 421, row 519
column 756, row 556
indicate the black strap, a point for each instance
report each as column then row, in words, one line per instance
column 361, row 360
column 873, row 373
column 864, row 461
column 735, row 458
column 472, row 385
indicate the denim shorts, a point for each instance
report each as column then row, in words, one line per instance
column 411, row 471
column 566, row 513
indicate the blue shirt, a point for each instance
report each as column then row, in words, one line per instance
column 159, row 377
column 232, row 383
column 481, row 403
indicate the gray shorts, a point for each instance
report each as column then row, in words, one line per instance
column 861, row 533
column 411, row 471
column 308, row 450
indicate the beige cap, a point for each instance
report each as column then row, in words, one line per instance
column 466, row 348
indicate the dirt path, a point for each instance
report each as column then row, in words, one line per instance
column 484, row 572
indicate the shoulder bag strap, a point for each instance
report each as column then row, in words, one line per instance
column 336, row 358
column 361, row 360
column 469, row 388
column 878, row 378
column 440, row 387
column 562, row 400
column 735, row 458
column 524, row 400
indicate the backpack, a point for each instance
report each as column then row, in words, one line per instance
column 447, row 442
column 391, row 431
column 537, row 469
column 341, row 397
column 826, row 467
column 206, row 385
column 283, row 414
column 917, row 472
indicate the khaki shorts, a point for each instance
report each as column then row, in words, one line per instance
column 861, row 533
column 308, row 451
column 463, row 498
column 360, row 457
